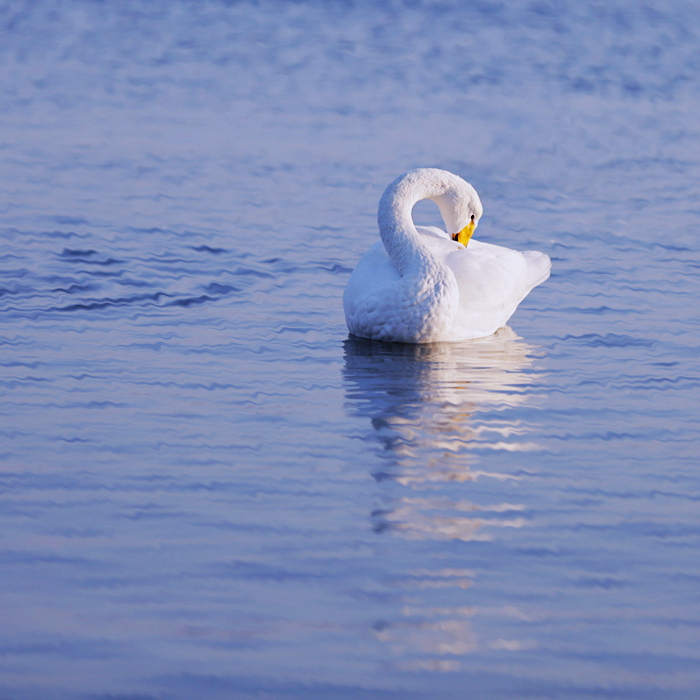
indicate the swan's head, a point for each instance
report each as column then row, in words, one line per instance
column 466, row 210
column 459, row 205
column 466, row 233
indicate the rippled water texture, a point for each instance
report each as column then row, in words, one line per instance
column 208, row 490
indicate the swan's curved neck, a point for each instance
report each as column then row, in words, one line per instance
column 401, row 240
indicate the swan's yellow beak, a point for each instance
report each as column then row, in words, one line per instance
column 465, row 234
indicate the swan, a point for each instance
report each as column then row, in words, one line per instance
column 421, row 285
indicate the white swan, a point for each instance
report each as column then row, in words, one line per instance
column 420, row 285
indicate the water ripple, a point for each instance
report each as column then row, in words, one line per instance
column 207, row 489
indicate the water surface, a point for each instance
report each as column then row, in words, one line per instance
column 208, row 490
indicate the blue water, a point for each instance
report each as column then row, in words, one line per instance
column 207, row 490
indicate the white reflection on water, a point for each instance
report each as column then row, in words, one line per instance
column 423, row 402
column 432, row 408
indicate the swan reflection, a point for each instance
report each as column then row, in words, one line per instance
column 422, row 401
column 433, row 410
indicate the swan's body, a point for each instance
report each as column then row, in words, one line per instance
column 417, row 285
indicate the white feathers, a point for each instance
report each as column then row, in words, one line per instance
column 418, row 286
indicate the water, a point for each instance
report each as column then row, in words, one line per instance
column 208, row 490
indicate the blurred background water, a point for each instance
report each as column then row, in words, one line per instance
column 208, row 490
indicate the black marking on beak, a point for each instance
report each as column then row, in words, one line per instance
column 454, row 236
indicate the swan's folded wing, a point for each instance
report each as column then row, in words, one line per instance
column 538, row 266
column 492, row 282
column 490, row 277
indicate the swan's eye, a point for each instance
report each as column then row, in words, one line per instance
column 472, row 217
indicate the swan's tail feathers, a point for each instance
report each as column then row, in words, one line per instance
column 538, row 267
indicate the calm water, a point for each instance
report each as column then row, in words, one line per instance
column 209, row 491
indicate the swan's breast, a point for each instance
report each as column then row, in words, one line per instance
column 380, row 303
